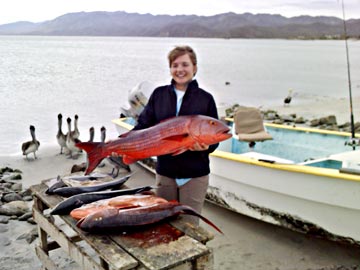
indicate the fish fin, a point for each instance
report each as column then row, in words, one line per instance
column 94, row 154
column 179, row 152
column 88, row 146
column 124, row 135
column 78, row 224
column 188, row 210
column 176, row 138
column 128, row 160
column 174, row 201
column 117, row 204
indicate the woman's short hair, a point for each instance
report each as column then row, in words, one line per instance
column 179, row 51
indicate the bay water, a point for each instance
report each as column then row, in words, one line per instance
column 42, row 76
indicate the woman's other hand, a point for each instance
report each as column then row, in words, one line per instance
column 199, row 147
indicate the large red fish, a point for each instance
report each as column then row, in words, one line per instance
column 119, row 202
column 172, row 136
column 122, row 219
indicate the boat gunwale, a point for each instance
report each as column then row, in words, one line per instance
column 304, row 129
column 326, row 172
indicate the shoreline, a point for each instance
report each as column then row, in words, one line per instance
column 311, row 107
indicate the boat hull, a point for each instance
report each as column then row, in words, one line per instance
column 287, row 195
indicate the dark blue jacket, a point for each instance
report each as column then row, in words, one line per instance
column 162, row 105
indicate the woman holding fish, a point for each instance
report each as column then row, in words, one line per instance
column 182, row 176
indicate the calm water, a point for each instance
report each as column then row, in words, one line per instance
column 91, row 76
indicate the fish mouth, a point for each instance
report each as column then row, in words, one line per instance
column 225, row 133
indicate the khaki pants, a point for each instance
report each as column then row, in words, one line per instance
column 192, row 193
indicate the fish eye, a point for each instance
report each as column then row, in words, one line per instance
column 211, row 122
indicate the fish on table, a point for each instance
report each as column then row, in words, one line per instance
column 119, row 202
column 110, row 219
column 53, row 184
column 76, row 180
column 172, row 136
column 68, row 191
column 67, row 205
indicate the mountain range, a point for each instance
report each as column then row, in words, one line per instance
column 227, row 25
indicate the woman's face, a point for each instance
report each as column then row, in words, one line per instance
column 182, row 71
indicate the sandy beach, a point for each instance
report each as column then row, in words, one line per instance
column 246, row 244
column 311, row 107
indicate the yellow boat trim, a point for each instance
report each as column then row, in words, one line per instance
column 304, row 129
column 120, row 122
column 333, row 173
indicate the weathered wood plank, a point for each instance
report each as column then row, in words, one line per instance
column 64, row 241
column 155, row 254
column 105, row 247
column 45, row 259
column 196, row 232
column 50, row 200
column 107, row 250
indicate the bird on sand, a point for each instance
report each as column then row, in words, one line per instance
column 30, row 146
column 117, row 162
column 76, row 133
column 71, row 141
column 287, row 100
column 82, row 166
column 60, row 136
column 92, row 134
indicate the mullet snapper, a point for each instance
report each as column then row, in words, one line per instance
column 172, row 136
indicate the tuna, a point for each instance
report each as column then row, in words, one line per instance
column 119, row 202
column 172, row 136
column 111, row 219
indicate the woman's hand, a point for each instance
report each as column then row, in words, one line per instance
column 199, row 147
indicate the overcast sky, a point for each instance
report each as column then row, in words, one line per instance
column 42, row 10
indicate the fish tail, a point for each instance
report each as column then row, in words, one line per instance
column 190, row 211
column 80, row 221
column 94, row 154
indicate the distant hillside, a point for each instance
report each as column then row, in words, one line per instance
column 227, row 25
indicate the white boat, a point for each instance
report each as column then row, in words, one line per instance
column 303, row 179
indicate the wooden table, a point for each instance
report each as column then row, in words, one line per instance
column 171, row 245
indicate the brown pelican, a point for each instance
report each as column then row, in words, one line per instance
column 117, row 162
column 76, row 132
column 103, row 134
column 287, row 100
column 71, row 141
column 92, row 133
column 30, row 146
column 60, row 136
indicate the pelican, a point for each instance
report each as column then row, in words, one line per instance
column 60, row 136
column 76, row 132
column 287, row 100
column 92, row 133
column 70, row 140
column 117, row 162
column 103, row 134
column 30, row 146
